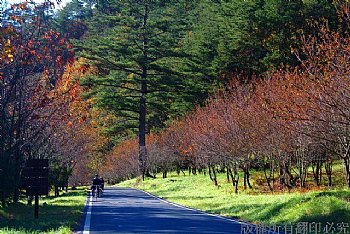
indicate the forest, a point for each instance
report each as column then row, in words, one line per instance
column 128, row 88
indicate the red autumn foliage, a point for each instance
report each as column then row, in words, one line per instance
column 284, row 123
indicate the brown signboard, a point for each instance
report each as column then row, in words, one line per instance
column 35, row 172
column 41, row 181
column 37, row 190
column 36, row 177
column 37, row 163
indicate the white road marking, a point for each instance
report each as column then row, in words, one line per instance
column 188, row 208
column 199, row 211
column 88, row 217
column 89, row 203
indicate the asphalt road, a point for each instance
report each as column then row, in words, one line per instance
column 125, row 210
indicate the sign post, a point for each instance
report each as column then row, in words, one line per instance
column 36, row 177
column 36, row 207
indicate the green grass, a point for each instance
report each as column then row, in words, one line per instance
column 279, row 208
column 58, row 215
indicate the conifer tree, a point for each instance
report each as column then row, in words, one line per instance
column 144, row 76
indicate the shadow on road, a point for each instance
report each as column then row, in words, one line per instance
column 123, row 210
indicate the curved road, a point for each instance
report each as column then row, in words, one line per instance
column 126, row 210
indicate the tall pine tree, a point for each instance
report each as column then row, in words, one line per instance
column 144, row 76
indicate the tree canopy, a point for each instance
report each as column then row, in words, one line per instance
column 147, row 86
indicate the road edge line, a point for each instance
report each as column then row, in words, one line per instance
column 86, row 229
column 200, row 211
column 189, row 208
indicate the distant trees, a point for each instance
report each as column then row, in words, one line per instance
column 71, row 20
column 289, row 122
column 251, row 36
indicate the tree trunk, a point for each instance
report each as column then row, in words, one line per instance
column 246, row 176
column 303, row 174
column 183, row 172
column 285, row 176
column 143, row 91
column 194, row 170
column 282, row 178
column 268, row 178
column 57, row 192
column 234, row 178
column 227, row 175
column 142, row 131
column 347, row 170
column 212, row 175
column 231, row 175
column 215, row 178
column 273, row 173
column 248, row 181
column 18, row 145
column 317, row 172
column 200, row 170
column 328, row 167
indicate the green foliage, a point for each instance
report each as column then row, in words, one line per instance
column 141, row 42
column 70, row 19
column 59, row 175
column 156, row 59
column 252, row 36
column 184, row 47
column 57, row 215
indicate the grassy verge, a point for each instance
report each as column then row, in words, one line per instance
column 56, row 215
column 282, row 208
